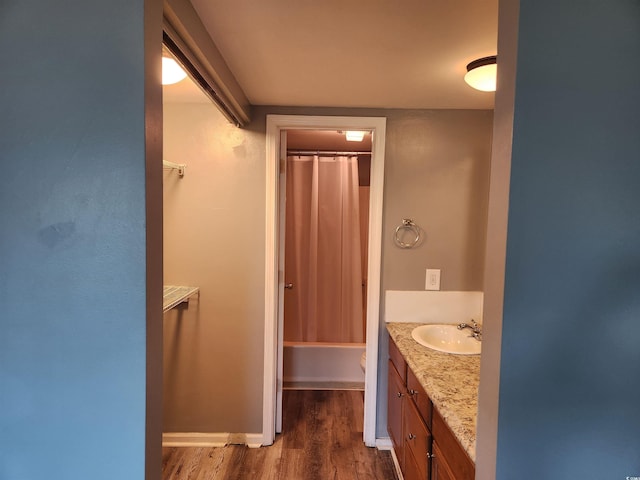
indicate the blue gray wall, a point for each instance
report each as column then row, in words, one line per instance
column 73, row 267
column 570, row 375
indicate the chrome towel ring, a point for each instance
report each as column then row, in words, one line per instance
column 407, row 228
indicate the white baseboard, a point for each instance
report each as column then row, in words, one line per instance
column 197, row 439
column 384, row 443
column 396, row 464
column 251, row 440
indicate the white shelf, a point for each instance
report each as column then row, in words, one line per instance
column 173, row 295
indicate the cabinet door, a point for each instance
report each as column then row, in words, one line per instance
column 412, row 470
column 451, row 454
column 396, row 394
column 417, row 441
column 439, row 467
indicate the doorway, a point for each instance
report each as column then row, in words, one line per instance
column 277, row 125
column 326, row 203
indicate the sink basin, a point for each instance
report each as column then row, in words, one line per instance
column 446, row 338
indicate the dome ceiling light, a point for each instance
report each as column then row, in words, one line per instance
column 171, row 71
column 481, row 74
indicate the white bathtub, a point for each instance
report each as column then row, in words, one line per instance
column 323, row 363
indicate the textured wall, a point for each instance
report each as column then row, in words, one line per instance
column 436, row 171
column 570, row 375
column 214, row 239
column 73, row 239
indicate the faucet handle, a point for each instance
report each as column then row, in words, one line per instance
column 475, row 328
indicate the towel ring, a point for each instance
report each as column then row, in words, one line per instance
column 407, row 226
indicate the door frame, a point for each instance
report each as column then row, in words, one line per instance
column 274, row 279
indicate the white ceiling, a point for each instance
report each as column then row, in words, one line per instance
column 353, row 53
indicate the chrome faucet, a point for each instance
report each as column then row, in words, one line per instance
column 474, row 327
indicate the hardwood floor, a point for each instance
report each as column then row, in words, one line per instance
column 321, row 439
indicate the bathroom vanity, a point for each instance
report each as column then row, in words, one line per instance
column 432, row 408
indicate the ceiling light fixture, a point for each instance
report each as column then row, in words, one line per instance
column 354, row 135
column 171, row 71
column 481, row 74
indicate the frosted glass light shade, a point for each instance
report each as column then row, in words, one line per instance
column 171, row 71
column 481, row 74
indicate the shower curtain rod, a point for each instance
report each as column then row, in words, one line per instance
column 330, row 153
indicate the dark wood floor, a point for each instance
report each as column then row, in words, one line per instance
column 321, row 439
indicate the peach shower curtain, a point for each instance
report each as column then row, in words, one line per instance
column 322, row 250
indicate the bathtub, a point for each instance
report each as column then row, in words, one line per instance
column 309, row 364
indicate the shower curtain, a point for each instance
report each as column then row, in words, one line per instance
column 322, row 251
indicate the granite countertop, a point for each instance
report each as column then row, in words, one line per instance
column 451, row 381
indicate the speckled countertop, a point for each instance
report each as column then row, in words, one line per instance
column 451, row 381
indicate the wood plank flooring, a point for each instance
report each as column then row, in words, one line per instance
column 321, row 439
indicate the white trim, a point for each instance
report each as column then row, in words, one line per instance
column 384, row 443
column 396, row 464
column 271, row 284
column 198, row 439
column 282, row 179
column 373, row 288
column 251, row 440
column 276, row 123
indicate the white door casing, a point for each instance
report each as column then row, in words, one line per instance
column 272, row 388
column 282, row 215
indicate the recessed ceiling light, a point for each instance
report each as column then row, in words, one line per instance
column 481, row 74
column 171, row 71
column 355, row 135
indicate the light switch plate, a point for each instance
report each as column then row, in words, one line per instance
column 433, row 279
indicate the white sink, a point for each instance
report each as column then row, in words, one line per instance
column 447, row 338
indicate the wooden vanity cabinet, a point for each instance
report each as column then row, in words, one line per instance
column 396, row 358
column 424, row 444
column 396, row 396
column 419, row 397
column 408, row 417
column 417, row 443
column 439, row 467
column 450, row 460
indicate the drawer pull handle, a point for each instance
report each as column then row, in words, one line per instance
column 430, row 455
column 400, row 394
column 411, row 436
column 413, row 392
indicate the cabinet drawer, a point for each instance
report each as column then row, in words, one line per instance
column 417, row 439
column 452, row 453
column 398, row 360
column 417, row 393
